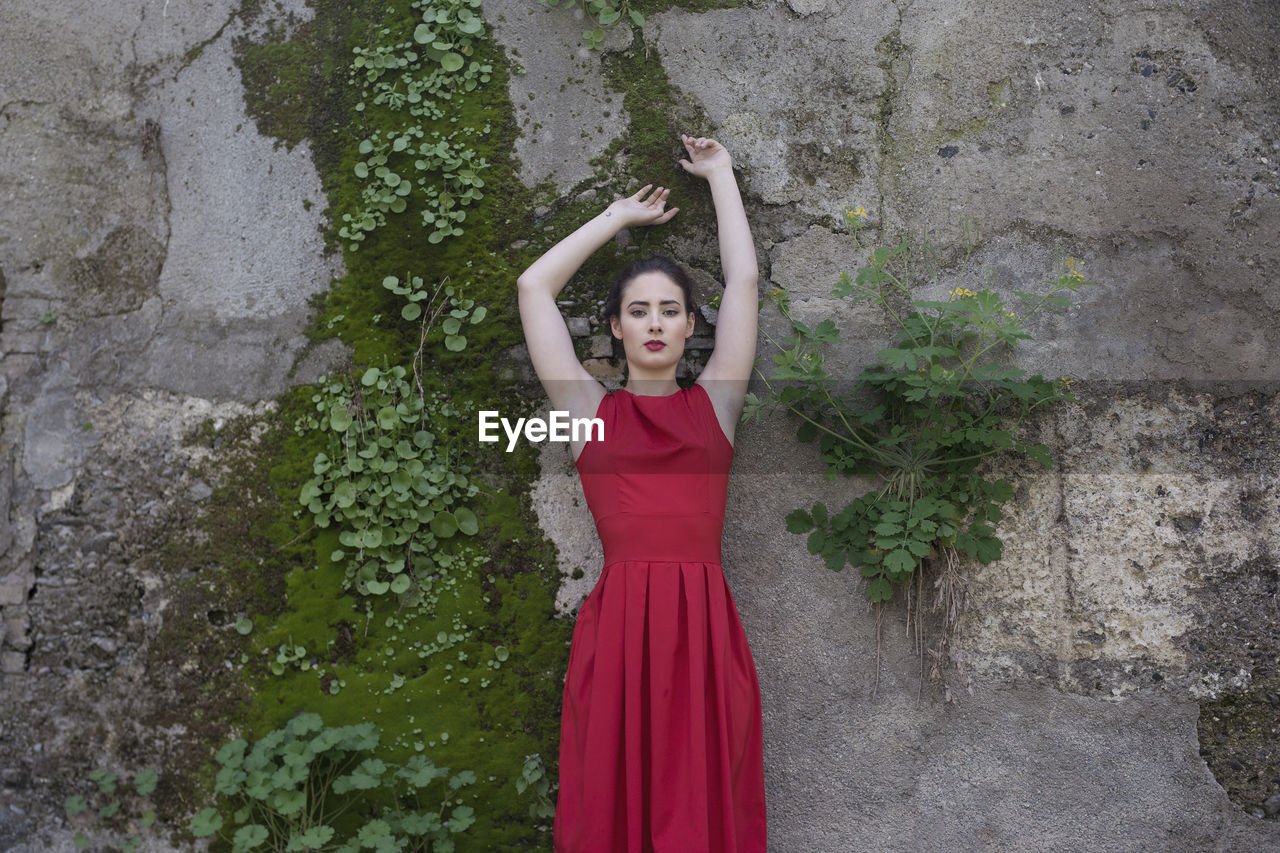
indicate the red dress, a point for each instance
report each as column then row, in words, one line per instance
column 661, row 736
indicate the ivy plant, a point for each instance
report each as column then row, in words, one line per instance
column 290, row 790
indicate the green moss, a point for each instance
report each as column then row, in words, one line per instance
column 256, row 551
column 1238, row 734
column 376, row 661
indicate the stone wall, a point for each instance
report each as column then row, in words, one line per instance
column 157, row 255
column 157, row 258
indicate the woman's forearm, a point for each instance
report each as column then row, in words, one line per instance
column 737, row 251
column 557, row 265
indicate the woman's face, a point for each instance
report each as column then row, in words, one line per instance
column 653, row 323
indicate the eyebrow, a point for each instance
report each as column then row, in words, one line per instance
column 644, row 303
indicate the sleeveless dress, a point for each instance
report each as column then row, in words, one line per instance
column 661, row 736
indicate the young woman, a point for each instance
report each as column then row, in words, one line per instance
column 661, row 743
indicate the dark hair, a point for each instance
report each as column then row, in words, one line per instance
column 658, row 263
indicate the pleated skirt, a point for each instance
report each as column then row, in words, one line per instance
column 661, row 740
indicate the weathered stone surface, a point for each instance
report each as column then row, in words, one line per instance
column 6, row 489
column 150, row 239
column 809, row 266
column 561, row 106
column 54, row 441
column 802, row 130
column 564, row 517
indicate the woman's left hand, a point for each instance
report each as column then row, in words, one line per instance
column 705, row 156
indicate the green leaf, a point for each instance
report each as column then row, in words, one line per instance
column 288, row 802
column 306, row 723
column 1000, row 490
column 899, row 560
column 467, row 521
column 455, row 343
column 799, row 522
column 989, row 549
column 879, row 590
column 451, row 62
column 145, row 782
column 249, row 837
column 244, row 625
column 899, row 358
column 75, row 805
column 817, row 541
column 206, row 823
column 316, row 837
column 444, row 525
column 462, row 818
column 372, row 831
column 918, row 548
column 637, row 18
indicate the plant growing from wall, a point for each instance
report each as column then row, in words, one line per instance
column 606, row 13
column 921, row 420
column 113, row 811
column 308, row 786
column 418, row 77
column 395, row 490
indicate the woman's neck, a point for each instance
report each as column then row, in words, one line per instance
column 652, row 386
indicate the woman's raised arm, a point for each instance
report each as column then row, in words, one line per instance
column 728, row 370
column 567, row 383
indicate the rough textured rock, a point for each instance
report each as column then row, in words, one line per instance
column 158, row 259
column 561, row 105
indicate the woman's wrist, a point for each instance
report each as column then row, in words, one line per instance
column 615, row 216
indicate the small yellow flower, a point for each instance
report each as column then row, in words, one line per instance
column 861, row 211
column 960, row 292
column 1073, row 269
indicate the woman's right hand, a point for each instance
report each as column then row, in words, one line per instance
column 641, row 210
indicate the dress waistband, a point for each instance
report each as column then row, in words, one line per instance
column 661, row 538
